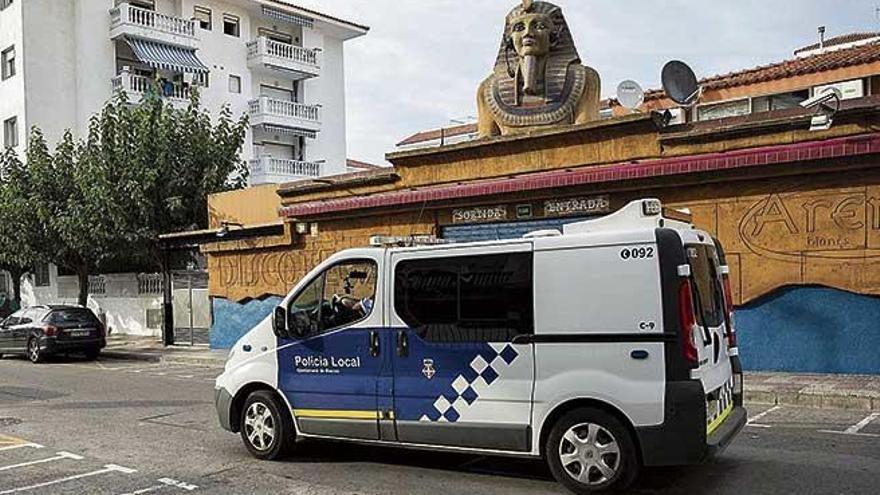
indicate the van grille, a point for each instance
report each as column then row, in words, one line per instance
column 719, row 404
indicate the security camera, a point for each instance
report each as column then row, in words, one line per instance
column 821, row 99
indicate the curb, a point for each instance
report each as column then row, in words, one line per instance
column 131, row 356
column 821, row 401
column 158, row 357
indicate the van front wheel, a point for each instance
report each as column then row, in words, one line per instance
column 590, row 451
column 266, row 428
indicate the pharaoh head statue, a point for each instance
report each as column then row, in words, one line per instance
column 537, row 78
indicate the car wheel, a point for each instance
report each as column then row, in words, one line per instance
column 92, row 354
column 266, row 426
column 591, row 451
column 34, row 353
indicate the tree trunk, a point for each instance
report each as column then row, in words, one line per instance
column 16, row 275
column 83, row 278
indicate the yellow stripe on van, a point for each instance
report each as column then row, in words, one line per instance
column 336, row 414
column 720, row 419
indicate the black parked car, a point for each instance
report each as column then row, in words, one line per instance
column 42, row 330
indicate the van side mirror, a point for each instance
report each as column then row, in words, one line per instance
column 279, row 322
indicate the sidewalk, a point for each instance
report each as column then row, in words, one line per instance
column 151, row 349
column 860, row 392
column 814, row 390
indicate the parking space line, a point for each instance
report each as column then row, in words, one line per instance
column 11, row 443
column 165, row 483
column 59, row 457
column 863, row 423
column 865, row 435
column 109, row 468
column 753, row 421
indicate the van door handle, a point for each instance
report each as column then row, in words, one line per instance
column 402, row 344
column 374, row 343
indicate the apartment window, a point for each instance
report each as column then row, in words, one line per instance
column 144, row 4
column 275, row 36
column 7, row 62
column 231, row 25
column 41, row 275
column 10, row 132
column 234, row 84
column 724, row 110
column 5, row 3
column 203, row 15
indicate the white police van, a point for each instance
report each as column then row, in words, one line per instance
column 603, row 348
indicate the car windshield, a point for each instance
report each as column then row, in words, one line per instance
column 73, row 315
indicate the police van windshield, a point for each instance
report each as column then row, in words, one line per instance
column 708, row 295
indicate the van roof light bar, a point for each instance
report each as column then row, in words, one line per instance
column 405, row 241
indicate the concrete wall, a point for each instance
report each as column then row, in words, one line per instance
column 252, row 206
column 125, row 309
column 810, row 329
column 12, row 102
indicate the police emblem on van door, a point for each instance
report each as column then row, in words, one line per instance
column 428, row 368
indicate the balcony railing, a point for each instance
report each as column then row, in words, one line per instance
column 302, row 62
column 281, row 108
column 127, row 19
column 136, row 87
column 267, row 169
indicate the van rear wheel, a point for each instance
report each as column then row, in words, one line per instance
column 266, row 426
column 590, row 451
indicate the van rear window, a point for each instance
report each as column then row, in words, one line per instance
column 708, row 297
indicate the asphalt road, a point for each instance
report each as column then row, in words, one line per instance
column 118, row 427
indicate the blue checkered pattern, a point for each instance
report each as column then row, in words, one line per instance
column 483, row 371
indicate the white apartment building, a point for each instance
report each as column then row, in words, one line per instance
column 280, row 64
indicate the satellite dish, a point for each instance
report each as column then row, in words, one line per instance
column 680, row 83
column 630, row 94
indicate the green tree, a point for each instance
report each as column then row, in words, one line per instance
column 78, row 231
column 142, row 170
column 156, row 166
column 20, row 231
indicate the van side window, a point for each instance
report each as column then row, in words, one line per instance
column 484, row 298
column 340, row 296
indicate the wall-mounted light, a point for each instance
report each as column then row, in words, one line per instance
column 302, row 228
column 225, row 227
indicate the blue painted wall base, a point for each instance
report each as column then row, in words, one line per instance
column 797, row 329
column 232, row 320
column 811, row 329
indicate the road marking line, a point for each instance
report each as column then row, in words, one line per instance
column 109, row 468
column 865, row 435
column 60, row 456
column 151, row 489
column 753, row 420
column 863, row 423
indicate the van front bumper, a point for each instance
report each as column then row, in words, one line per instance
column 223, row 403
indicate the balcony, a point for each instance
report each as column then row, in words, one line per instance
column 270, row 113
column 269, row 170
column 136, row 87
column 126, row 20
column 296, row 61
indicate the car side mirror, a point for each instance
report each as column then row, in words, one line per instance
column 279, row 322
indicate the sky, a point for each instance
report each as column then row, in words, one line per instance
column 421, row 63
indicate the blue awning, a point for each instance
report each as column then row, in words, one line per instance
column 280, row 15
column 167, row 57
